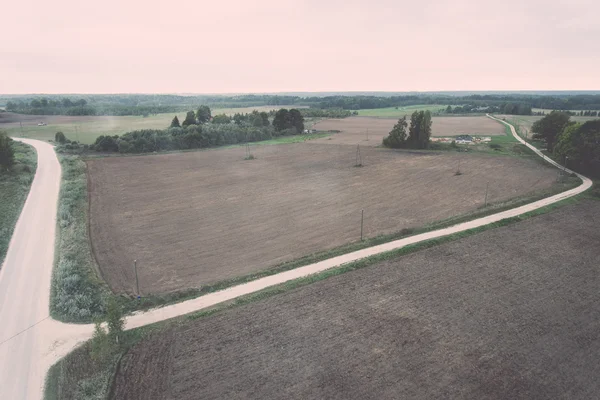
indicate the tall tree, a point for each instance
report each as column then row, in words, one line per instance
column 296, row 120
column 190, row 119
column 265, row 118
column 7, row 153
column 419, row 131
column 203, row 114
column 282, row 120
column 175, row 123
column 397, row 136
column 549, row 127
column 425, row 134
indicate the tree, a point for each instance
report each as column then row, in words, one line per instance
column 35, row 103
column 397, row 136
column 7, row 153
column 580, row 145
column 175, row 123
column 190, row 119
column 549, row 127
column 239, row 118
column 265, row 118
column 203, row 114
column 221, row 119
column 296, row 120
column 449, row 110
column 60, row 137
column 106, row 143
column 281, row 120
column 419, row 132
column 114, row 319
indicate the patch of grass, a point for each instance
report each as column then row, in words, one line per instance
column 77, row 293
column 152, row 301
column 14, row 188
column 291, row 139
column 399, row 112
column 78, row 371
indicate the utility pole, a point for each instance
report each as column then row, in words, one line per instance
column 137, row 282
column 486, row 193
column 362, row 217
column 358, row 161
column 76, row 134
column 21, row 123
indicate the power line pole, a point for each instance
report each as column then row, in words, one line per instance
column 362, row 217
column 486, row 193
column 137, row 282
column 358, row 160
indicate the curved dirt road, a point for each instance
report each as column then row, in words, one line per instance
column 26, row 354
column 25, row 280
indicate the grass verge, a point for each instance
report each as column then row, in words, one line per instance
column 14, row 188
column 78, row 376
column 77, row 293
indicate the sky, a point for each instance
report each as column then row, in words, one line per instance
column 191, row 46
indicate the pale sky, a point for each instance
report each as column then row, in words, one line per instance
column 225, row 46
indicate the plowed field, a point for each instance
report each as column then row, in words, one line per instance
column 354, row 129
column 510, row 313
column 192, row 219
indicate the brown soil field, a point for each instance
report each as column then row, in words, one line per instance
column 509, row 313
column 192, row 219
column 353, row 129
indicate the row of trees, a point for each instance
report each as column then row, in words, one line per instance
column 577, row 144
column 504, row 108
column 418, row 134
column 283, row 119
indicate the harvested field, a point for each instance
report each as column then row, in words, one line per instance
column 192, row 219
column 510, row 313
column 354, row 129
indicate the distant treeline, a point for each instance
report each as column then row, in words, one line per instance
column 66, row 106
column 152, row 104
column 504, row 108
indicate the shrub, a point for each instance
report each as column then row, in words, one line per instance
column 60, row 137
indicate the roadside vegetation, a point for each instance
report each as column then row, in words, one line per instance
column 18, row 163
column 77, row 294
column 82, row 374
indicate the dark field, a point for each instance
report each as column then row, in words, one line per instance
column 510, row 313
column 197, row 218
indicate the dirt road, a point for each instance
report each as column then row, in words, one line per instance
column 30, row 341
column 25, row 281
